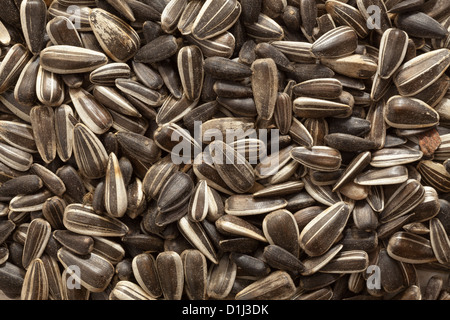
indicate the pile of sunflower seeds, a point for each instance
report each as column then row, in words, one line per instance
column 345, row 196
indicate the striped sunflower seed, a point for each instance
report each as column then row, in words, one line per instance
column 12, row 65
column 222, row 45
column 18, row 134
column 175, row 192
column 320, row 158
column 440, row 242
column 190, row 68
column 347, row 261
column 95, row 273
column 435, row 174
column 245, row 205
column 38, row 234
column 25, row 88
column 399, row 110
column 393, row 46
column 33, row 19
column 107, row 28
column 221, row 278
column 383, row 21
column 146, row 274
column 64, row 59
column 35, row 283
column 42, row 121
column 338, row 42
column 110, row 97
column 410, row 248
column 195, row 274
column 320, row 233
column 172, row 286
column 215, row 17
column 306, row 107
column 106, row 75
column 15, row 158
column 62, row 31
column 383, row 176
column 90, row 154
column 422, row 71
column 265, row 86
column 83, row 220
column 80, row 244
column 53, row 211
column 237, row 226
column 345, row 14
column 127, row 290
column 265, row 29
column 278, row 285
column 116, row 201
column 49, row 88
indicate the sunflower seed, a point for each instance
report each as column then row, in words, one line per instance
column 62, row 31
column 42, row 121
column 15, row 158
column 410, row 248
column 393, row 46
column 215, row 17
column 172, row 286
column 434, row 174
column 65, row 59
column 95, row 271
column 345, row 14
column 349, row 261
column 320, row 158
column 320, row 233
column 83, row 220
column 106, row 75
column 145, row 273
column 384, row 176
column 440, row 242
column 221, row 278
column 12, row 65
column 25, row 88
column 306, row 107
column 237, row 226
column 278, row 285
column 265, row 29
column 422, row 71
column 338, row 42
column 36, row 240
column 244, row 205
column 139, row 91
column 90, row 154
column 35, row 283
column 265, row 86
column 397, row 114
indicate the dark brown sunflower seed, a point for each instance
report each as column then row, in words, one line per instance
column 400, row 110
column 221, row 278
column 25, row 184
column 393, row 46
column 53, row 211
column 410, row 248
column 175, row 192
column 112, row 99
column 345, row 14
column 159, row 49
column 195, row 274
column 349, row 143
column 265, row 86
column 95, row 272
column 420, row 25
column 139, row 91
column 222, row 45
column 364, row 216
column 265, row 29
column 354, row 66
column 190, row 68
column 280, row 228
column 64, row 59
column 25, row 88
column 379, row 24
column 145, row 273
column 79, row 244
column 338, row 42
column 62, row 31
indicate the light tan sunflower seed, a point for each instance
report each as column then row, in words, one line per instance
column 306, row 107
column 394, row 156
column 383, row 176
column 15, row 158
column 18, row 134
column 222, row 45
column 116, row 201
column 244, row 205
column 64, row 131
column 237, row 226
